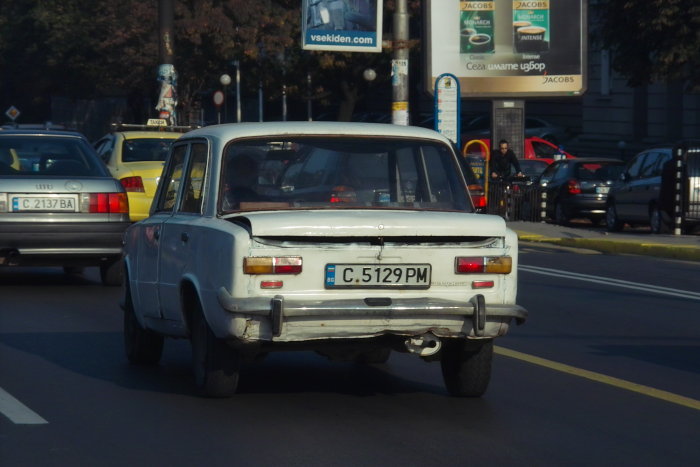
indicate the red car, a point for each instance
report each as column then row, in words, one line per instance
column 535, row 148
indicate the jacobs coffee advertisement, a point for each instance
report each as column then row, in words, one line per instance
column 508, row 48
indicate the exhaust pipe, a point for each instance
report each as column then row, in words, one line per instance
column 424, row 346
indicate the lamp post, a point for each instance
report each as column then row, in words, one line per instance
column 237, row 64
column 225, row 80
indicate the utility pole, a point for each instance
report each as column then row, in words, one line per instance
column 167, row 76
column 399, row 66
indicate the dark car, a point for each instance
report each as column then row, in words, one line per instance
column 59, row 206
column 635, row 198
column 578, row 188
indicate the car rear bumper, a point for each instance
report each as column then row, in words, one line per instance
column 281, row 319
column 586, row 206
column 60, row 243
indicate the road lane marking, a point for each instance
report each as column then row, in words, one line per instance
column 612, row 282
column 601, row 378
column 17, row 412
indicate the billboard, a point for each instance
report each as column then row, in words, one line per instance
column 508, row 48
column 342, row 25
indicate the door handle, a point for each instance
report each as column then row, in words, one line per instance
column 184, row 236
column 156, row 234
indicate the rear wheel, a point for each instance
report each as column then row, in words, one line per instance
column 111, row 273
column 215, row 365
column 142, row 346
column 467, row 371
column 656, row 221
column 612, row 222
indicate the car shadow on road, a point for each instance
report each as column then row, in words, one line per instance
column 101, row 355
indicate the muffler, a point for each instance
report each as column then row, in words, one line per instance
column 426, row 345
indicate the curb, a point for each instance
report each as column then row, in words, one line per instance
column 684, row 252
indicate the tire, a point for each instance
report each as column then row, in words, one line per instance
column 467, row 372
column 612, row 222
column 215, row 365
column 656, row 221
column 596, row 221
column 374, row 356
column 560, row 216
column 142, row 346
column 112, row 274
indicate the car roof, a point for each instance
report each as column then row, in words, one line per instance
column 249, row 129
column 64, row 133
column 135, row 134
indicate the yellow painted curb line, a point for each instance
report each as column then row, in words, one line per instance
column 601, row 378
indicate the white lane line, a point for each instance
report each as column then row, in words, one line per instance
column 612, row 282
column 17, row 412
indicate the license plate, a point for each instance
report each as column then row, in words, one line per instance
column 45, row 203
column 602, row 189
column 376, row 276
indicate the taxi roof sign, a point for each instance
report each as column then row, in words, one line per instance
column 157, row 122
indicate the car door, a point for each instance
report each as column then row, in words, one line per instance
column 624, row 195
column 642, row 188
column 181, row 234
column 151, row 232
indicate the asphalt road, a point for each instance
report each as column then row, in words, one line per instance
column 606, row 371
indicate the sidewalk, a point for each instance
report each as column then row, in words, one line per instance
column 632, row 241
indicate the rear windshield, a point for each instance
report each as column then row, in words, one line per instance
column 341, row 173
column 145, row 149
column 44, row 156
column 599, row 170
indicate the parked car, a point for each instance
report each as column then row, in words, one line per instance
column 535, row 148
column 533, row 168
column 350, row 239
column 59, row 206
column 639, row 197
column 135, row 155
column 534, row 126
column 579, row 187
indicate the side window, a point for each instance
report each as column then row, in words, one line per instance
column 561, row 171
column 662, row 158
column 171, row 179
column 636, row 165
column 544, row 150
column 194, row 182
column 649, row 165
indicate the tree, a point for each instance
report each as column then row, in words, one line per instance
column 653, row 40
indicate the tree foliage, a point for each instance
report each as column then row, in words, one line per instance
column 653, row 40
column 102, row 48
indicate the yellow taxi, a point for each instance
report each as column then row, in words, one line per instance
column 135, row 155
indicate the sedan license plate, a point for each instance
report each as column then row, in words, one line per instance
column 376, row 276
column 45, row 203
column 602, row 189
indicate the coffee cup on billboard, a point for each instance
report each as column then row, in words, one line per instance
column 465, row 34
column 530, row 39
column 517, row 25
column 480, row 43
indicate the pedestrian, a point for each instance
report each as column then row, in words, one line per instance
column 502, row 160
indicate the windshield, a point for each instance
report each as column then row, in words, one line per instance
column 48, row 156
column 331, row 172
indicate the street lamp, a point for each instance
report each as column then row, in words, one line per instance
column 225, row 80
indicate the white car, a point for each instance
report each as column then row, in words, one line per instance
column 350, row 239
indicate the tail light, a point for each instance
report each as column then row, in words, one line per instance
column 343, row 194
column 573, row 187
column 483, row 264
column 272, row 265
column 113, row 203
column 132, row 184
column 478, row 197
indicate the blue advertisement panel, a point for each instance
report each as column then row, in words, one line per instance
column 342, row 25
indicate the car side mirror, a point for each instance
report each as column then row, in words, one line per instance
column 624, row 176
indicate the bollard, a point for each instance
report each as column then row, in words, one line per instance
column 677, row 188
column 543, row 207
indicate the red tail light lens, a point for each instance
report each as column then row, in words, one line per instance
column 478, row 198
column 132, row 184
column 484, row 264
column 574, row 187
column 115, row 203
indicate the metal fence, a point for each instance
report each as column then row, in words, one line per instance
column 516, row 201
